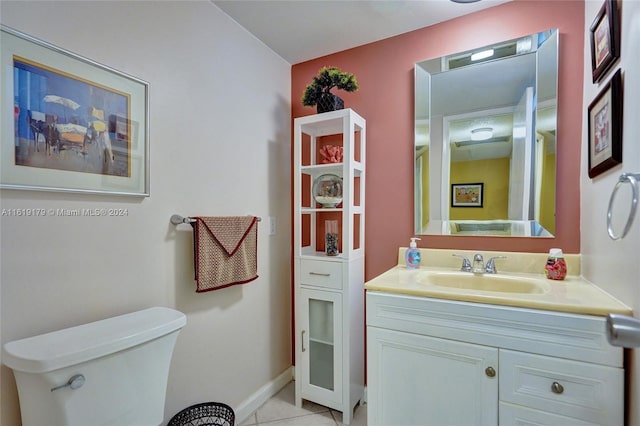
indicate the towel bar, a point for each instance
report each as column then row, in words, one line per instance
column 176, row 219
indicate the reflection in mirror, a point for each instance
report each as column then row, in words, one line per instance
column 488, row 116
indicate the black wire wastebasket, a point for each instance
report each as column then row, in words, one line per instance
column 205, row 414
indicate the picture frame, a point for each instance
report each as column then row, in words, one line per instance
column 605, row 127
column 467, row 194
column 70, row 124
column 605, row 39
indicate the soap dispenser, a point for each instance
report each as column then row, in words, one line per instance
column 412, row 255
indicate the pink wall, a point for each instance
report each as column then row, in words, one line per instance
column 385, row 70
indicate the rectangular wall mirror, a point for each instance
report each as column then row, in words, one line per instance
column 489, row 117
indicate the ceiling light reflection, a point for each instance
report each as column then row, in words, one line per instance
column 481, row 134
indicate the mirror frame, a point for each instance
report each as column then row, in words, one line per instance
column 546, row 88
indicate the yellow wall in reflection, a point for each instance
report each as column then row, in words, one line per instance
column 425, row 187
column 548, row 194
column 494, row 174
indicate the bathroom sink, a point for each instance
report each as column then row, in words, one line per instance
column 484, row 282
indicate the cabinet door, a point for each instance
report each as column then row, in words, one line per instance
column 420, row 380
column 321, row 346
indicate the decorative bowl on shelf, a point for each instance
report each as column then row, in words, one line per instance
column 327, row 190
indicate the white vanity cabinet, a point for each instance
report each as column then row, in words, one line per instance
column 329, row 289
column 442, row 362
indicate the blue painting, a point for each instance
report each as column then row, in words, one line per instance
column 68, row 123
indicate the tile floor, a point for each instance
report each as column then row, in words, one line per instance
column 281, row 410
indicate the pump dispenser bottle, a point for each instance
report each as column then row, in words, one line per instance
column 412, row 255
column 556, row 267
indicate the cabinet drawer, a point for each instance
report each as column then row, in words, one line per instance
column 589, row 392
column 516, row 415
column 321, row 274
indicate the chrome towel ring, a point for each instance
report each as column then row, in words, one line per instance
column 632, row 179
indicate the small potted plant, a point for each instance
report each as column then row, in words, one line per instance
column 318, row 92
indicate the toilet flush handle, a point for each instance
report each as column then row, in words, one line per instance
column 75, row 382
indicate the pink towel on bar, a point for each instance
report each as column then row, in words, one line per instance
column 225, row 251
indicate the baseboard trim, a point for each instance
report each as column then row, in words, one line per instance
column 262, row 395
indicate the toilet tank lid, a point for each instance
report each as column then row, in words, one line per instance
column 70, row 346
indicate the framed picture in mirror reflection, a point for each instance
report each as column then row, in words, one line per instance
column 467, row 194
column 605, row 127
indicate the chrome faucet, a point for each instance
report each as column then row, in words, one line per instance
column 490, row 267
column 479, row 267
column 478, row 264
column 466, row 264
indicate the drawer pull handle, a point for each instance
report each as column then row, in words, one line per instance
column 490, row 372
column 557, row 388
column 319, row 274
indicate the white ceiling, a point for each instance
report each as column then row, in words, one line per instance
column 300, row 30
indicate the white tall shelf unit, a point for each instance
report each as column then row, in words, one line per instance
column 329, row 290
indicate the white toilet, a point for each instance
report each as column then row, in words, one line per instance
column 109, row 372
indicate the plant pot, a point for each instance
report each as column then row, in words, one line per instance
column 329, row 102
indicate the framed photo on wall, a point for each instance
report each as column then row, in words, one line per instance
column 605, row 39
column 68, row 123
column 605, row 127
column 467, row 194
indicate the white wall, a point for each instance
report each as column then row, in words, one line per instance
column 614, row 265
column 220, row 145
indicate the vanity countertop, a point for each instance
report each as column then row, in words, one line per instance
column 574, row 294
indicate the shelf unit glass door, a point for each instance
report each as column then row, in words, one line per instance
column 322, row 344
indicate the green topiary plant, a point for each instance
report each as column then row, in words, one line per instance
column 318, row 92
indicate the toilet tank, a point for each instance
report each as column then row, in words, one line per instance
column 109, row 372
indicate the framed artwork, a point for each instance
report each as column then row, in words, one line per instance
column 605, row 127
column 605, row 39
column 467, row 194
column 68, row 123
